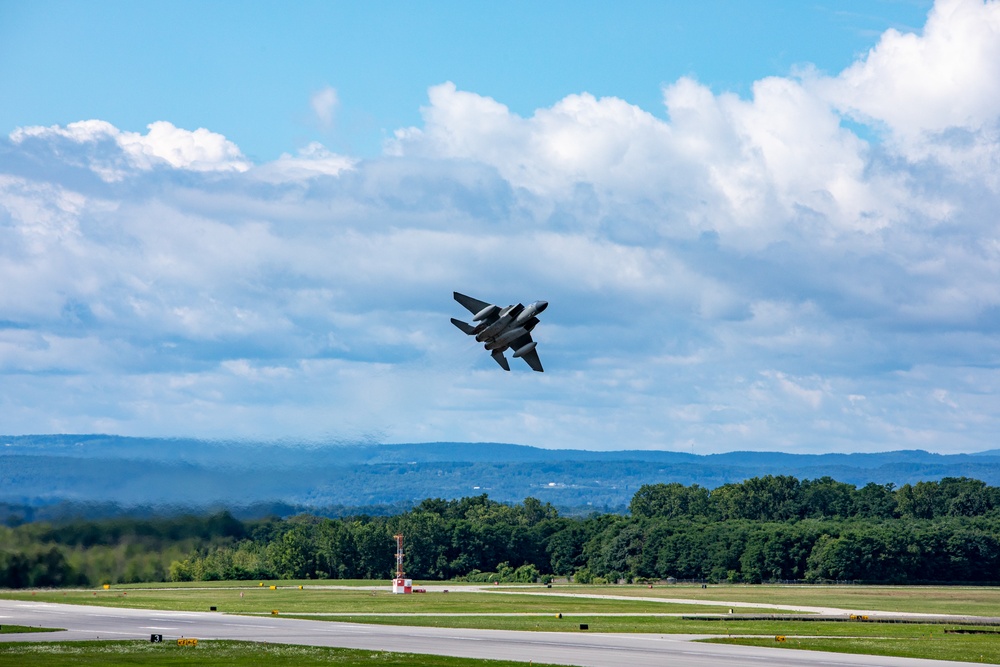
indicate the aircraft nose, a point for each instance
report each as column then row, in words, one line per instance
column 540, row 306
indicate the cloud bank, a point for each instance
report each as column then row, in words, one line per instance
column 812, row 268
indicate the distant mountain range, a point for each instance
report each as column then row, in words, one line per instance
column 44, row 470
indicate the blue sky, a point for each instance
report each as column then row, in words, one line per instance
column 759, row 225
column 248, row 71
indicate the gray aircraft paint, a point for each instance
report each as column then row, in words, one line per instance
column 503, row 329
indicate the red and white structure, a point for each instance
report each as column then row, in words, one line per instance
column 400, row 584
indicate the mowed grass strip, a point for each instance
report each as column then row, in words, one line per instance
column 935, row 646
column 18, row 629
column 651, row 624
column 265, row 583
column 291, row 600
column 546, row 623
column 964, row 600
column 218, row 654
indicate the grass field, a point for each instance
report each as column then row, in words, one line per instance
column 340, row 601
column 217, row 654
column 965, row 648
column 970, row 600
column 6, row 629
column 265, row 583
column 654, row 624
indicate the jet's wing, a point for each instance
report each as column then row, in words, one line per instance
column 472, row 305
column 530, row 357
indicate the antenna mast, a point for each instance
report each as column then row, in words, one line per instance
column 399, row 556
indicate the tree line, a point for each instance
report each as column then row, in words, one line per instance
column 785, row 498
column 772, row 528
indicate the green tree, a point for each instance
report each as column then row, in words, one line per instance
column 374, row 550
column 962, row 496
column 768, row 498
column 826, row 498
column 670, row 501
column 922, row 500
column 875, row 501
column 777, row 551
column 565, row 549
column 427, row 538
column 621, row 553
column 292, row 554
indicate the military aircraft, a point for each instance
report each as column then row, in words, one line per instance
column 503, row 328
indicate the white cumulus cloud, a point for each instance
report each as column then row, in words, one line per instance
column 936, row 94
column 163, row 145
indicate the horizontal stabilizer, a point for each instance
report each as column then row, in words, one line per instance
column 500, row 359
column 533, row 360
column 466, row 328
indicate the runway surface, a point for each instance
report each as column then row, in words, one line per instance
column 582, row 649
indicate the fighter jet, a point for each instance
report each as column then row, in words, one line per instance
column 502, row 328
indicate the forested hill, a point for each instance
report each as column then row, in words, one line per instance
column 47, row 469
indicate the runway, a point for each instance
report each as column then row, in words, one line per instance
column 581, row 649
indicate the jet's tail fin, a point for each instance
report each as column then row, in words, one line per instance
column 466, row 328
column 500, row 359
